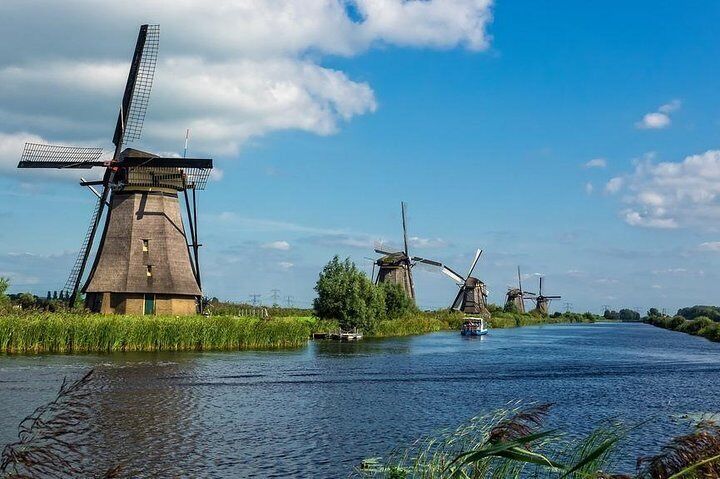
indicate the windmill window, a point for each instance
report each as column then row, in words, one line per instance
column 149, row 270
column 146, row 245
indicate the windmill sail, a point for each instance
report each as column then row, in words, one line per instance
column 37, row 155
column 137, row 89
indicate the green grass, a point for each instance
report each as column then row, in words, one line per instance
column 76, row 333
column 45, row 332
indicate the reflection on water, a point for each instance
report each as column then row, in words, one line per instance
column 316, row 412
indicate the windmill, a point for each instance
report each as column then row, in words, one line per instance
column 542, row 302
column 515, row 297
column 145, row 263
column 472, row 296
column 396, row 267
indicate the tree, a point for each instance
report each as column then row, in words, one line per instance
column 26, row 300
column 4, row 285
column 346, row 294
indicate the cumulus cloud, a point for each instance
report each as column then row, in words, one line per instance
column 660, row 118
column 596, row 163
column 278, row 245
column 589, row 188
column 228, row 70
column 672, row 194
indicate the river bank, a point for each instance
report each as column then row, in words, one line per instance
column 43, row 332
column 702, row 326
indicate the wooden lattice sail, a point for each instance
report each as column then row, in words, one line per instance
column 145, row 263
column 472, row 297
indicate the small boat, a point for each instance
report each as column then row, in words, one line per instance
column 474, row 327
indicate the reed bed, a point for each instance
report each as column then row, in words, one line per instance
column 81, row 333
column 408, row 326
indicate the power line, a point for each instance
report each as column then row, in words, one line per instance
column 275, row 295
column 254, row 299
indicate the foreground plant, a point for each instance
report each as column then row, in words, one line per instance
column 511, row 444
column 53, row 441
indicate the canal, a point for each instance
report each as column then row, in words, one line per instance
column 317, row 411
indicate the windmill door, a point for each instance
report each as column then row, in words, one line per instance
column 149, row 304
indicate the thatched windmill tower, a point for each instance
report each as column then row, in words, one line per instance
column 515, row 297
column 473, row 294
column 396, row 267
column 542, row 302
column 145, row 261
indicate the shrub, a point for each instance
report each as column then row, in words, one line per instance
column 694, row 326
column 676, row 322
column 711, row 332
column 397, row 303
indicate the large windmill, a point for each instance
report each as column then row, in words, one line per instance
column 145, row 263
column 396, row 267
column 542, row 302
column 473, row 294
column 515, row 297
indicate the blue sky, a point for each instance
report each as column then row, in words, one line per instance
column 577, row 140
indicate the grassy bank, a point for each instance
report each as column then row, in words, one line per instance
column 430, row 322
column 44, row 332
column 75, row 333
column 701, row 326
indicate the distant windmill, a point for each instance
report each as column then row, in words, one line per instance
column 542, row 302
column 396, row 267
column 145, row 262
column 515, row 297
column 472, row 296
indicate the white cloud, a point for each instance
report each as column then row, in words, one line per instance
column 589, row 188
column 238, row 69
column 278, row 245
column 614, row 185
column 418, row 242
column 660, row 118
column 674, row 194
column 710, row 246
column 596, row 163
column 285, row 265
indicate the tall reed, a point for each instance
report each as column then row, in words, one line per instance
column 73, row 333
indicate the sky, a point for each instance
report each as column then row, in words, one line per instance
column 577, row 140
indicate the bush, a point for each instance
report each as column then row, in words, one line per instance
column 397, row 303
column 345, row 293
column 693, row 312
column 676, row 322
column 694, row 326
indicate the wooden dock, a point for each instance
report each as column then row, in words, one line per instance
column 340, row 336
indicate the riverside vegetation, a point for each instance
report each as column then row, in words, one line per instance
column 346, row 299
column 696, row 320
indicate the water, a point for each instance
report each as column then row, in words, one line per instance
column 317, row 411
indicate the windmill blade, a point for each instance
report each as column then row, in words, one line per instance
column 552, row 297
column 541, row 282
column 138, row 86
column 453, row 275
column 160, row 162
column 474, row 263
column 520, row 280
column 36, row 155
column 427, row 261
column 403, row 206
column 457, row 302
column 379, row 251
